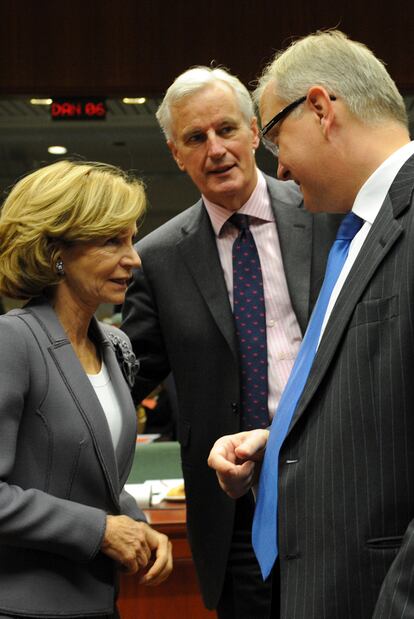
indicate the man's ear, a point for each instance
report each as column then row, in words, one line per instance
column 174, row 151
column 255, row 130
column 321, row 104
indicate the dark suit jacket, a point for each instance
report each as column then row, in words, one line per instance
column 178, row 316
column 346, row 500
column 59, row 474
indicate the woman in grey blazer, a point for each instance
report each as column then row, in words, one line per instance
column 67, row 421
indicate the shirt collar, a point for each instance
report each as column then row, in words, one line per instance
column 258, row 205
column 375, row 189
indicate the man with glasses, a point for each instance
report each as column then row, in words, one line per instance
column 268, row 134
column 334, row 515
column 184, row 313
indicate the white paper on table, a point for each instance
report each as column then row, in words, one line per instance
column 152, row 491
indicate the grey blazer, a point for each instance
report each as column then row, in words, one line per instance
column 58, row 470
column 178, row 316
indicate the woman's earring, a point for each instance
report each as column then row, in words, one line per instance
column 59, row 267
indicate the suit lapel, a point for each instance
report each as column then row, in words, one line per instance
column 294, row 226
column 385, row 232
column 199, row 251
column 81, row 390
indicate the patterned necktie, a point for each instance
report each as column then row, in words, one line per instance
column 265, row 517
column 250, row 318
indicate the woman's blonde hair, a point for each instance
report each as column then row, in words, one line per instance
column 62, row 203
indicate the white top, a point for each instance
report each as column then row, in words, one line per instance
column 367, row 206
column 103, row 387
column 282, row 329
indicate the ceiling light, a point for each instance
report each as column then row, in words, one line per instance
column 134, row 100
column 57, row 150
column 41, row 101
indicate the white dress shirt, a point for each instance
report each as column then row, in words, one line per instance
column 367, row 206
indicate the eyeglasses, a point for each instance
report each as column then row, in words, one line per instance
column 271, row 146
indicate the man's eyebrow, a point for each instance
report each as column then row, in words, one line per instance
column 229, row 121
column 191, row 131
column 187, row 133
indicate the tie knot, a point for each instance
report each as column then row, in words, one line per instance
column 241, row 222
column 350, row 225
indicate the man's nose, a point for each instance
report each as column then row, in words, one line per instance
column 282, row 173
column 216, row 149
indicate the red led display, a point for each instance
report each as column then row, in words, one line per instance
column 78, row 108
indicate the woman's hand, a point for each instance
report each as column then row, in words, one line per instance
column 137, row 547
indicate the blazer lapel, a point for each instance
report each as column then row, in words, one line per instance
column 385, row 232
column 125, row 446
column 81, row 390
column 199, row 251
column 294, row 226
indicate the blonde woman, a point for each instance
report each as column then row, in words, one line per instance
column 67, row 420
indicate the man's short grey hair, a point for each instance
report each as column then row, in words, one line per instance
column 346, row 68
column 194, row 80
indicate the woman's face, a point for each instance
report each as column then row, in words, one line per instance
column 99, row 271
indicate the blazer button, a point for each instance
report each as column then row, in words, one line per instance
column 235, row 408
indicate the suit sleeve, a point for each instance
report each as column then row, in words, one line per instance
column 141, row 323
column 396, row 598
column 32, row 518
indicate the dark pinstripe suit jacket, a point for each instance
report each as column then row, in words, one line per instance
column 178, row 316
column 346, row 528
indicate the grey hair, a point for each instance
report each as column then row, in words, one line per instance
column 194, row 80
column 346, row 68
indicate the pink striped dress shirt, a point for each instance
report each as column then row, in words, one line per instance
column 283, row 331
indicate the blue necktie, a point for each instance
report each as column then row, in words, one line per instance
column 265, row 517
column 250, row 318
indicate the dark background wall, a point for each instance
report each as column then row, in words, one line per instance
column 138, row 46
column 117, row 48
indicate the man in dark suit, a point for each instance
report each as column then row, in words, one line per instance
column 179, row 311
column 343, row 520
